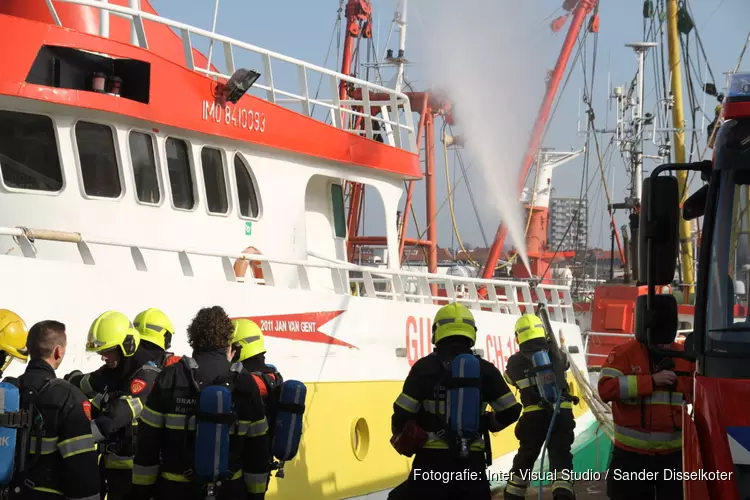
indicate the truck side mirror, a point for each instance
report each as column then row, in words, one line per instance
column 695, row 205
column 660, row 212
column 661, row 319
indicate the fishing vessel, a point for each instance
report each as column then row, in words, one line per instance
column 136, row 171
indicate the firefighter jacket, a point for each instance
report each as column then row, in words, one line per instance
column 166, row 436
column 519, row 373
column 424, row 394
column 98, row 381
column 647, row 419
column 63, row 459
column 117, row 397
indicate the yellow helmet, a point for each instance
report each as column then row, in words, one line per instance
column 247, row 338
column 13, row 334
column 154, row 326
column 529, row 326
column 452, row 320
column 111, row 330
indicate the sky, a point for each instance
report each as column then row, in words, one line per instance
column 493, row 57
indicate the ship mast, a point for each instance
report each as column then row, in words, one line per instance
column 678, row 119
column 633, row 147
column 358, row 25
column 399, row 61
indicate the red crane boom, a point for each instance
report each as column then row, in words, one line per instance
column 583, row 8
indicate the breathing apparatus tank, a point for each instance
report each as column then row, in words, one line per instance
column 531, row 331
column 546, row 381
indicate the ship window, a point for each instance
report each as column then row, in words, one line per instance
column 96, row 151
column 28, row 152
column 144, row 167
column 246, row 194
column 214, row 181
column 180, row 177
column 339, row 221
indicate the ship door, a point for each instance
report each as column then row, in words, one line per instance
column 325, row 230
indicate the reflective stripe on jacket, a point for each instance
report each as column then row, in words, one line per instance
column 647, row 419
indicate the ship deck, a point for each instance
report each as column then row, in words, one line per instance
column 585, row 490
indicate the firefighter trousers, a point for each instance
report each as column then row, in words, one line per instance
column 439, row 475
column 624, row 463
column 531, row 431
column 116, row 483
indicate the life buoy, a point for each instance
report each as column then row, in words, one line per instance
column 240, row 265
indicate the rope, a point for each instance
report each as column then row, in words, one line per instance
column 460, row 161
column 601, row 410
column 450, row 203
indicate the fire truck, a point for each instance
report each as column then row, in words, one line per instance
column 716, row 430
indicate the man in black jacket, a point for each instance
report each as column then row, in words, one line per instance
column 62, row 458
column 534, row 423
column 118, row 390
column 418, row 421
column 165, row 455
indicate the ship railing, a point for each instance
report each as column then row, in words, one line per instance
column 508, row 297
column 390, row 122
column 499, row 296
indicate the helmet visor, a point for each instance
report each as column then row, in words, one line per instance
column 150, row 326
column 447, row 321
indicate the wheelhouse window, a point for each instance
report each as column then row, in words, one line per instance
column 28, row 152
column 96, row 152
column 180, row 176
column 339, row 220
column 247, row 197
column 144, row 167
column 214, row 180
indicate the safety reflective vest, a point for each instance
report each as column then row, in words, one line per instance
column 647, row 419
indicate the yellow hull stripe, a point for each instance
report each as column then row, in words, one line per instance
column 333, row 463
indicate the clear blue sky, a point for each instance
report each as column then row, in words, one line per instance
column 505, row 36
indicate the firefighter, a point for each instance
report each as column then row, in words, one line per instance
column 156, row 329
column 13, row 335
column 168, row 451
column 118, row 390
column 418, row 421
column 63, row 463
column 248, row 348
column 647, row 392
column 533, row 426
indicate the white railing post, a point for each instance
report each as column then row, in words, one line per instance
column 104, row 21
column 395, row 112
column 271, row 92
column 511, row 298
column 53, row 13
column 367, row 111
column 336, row 113
column 306, row 109
column 137, row 31
column 187, row 47
column 369, row 285
column 474, row 296
column 229, row 57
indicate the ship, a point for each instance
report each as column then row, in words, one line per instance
column 135, row 172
